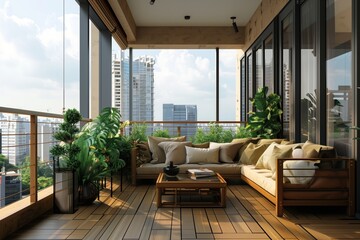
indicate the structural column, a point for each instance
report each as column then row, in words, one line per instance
column 84, row 58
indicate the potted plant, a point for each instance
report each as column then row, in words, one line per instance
column 265, row 122
column 66, row 162
column 100, row 153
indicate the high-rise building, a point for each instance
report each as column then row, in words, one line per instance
column 142, row 92
column 14, row 132
column 46, row 131
column 175, row 113
column 10, row 188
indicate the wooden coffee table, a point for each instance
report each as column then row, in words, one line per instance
column 186, row 192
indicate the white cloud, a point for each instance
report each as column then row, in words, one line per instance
column 31, row 57
column 181, row 77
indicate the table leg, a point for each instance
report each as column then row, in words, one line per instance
column 158, row 199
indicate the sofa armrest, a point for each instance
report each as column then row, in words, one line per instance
column 133, row 158
column 346, row 165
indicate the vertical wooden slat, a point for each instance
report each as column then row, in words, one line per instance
column 33, row 158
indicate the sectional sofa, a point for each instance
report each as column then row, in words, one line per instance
column 318, row 177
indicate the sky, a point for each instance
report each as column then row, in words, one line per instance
column 33, row 64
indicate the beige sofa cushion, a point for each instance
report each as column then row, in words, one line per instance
column 262, row 177
column 158, row 154
column 202, row 155
column 222, row 168
column 174, row 151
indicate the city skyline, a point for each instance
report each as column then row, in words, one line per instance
column 32, row 76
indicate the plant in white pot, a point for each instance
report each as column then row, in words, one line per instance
column 66, row 162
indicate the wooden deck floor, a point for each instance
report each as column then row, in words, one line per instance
column 132, row 214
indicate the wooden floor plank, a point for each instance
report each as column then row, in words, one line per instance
column 214, row 224
column 201, row 221
column 146, row 230
column 187, row 224
column 160, row 235
column 225, row 224
column 133, row 214
column 134, row 230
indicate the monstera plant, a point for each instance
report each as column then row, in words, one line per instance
column 265, row 121
column 100, row 153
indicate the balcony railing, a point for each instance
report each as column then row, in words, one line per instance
column 26, row 138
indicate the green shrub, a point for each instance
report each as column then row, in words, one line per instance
column 137, row 133
column 216, row 133
column 161, row 133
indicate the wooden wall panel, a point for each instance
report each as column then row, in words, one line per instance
column 262, row 17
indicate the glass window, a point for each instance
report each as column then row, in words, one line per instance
column 39, row 46
column 243, row 91
column 308, row 14
column 259, row 69
column 286, row 76
column 227, row 83
column 179, row 77
column 269, row 63
column 250, row 81
column 339, row 80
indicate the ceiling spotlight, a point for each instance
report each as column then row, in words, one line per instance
column 187, row 17
column 234, row 24
column 152, row 2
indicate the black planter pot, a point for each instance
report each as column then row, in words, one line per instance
column 88, row 192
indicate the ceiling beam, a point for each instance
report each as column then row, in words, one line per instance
column 125, row 17
column 188, row 37
column 105, row 13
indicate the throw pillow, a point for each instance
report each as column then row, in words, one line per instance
column 271, row 154
column 201, row 145
column 252, row 153
column 158, row 155
column 202, row 155
column 144, row 155
column 174, row 151
column 246, row 142
column 269, row 141
column 228, row 151
column 299, row 171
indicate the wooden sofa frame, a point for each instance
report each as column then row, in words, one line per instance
column 346, row 173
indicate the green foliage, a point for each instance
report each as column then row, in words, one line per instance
column 356, row 129
column 265, row 122
column 242, row 132
column 45, row 175
column 161, row 133
column 100, row 144
column 138, row 133
column 216, row 133
column 67, row 150
column 125, row 148
column 4, row 162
